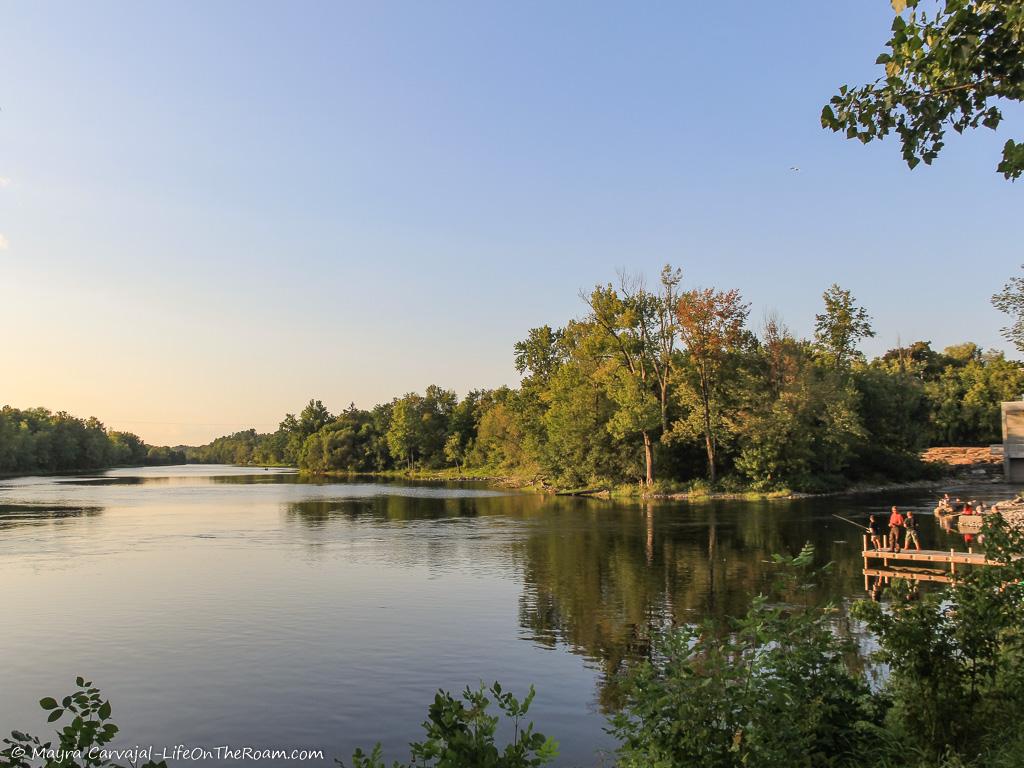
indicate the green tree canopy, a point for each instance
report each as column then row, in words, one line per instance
column 839, row 329
column 1011, row 301
column 947, row 65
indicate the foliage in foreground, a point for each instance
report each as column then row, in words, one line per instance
column 769, row 689
column 461, row 734
column 949, row 64
column 80, row 743
column 779, row 687
column 956, row 657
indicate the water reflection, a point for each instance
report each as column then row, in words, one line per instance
column 354, row 601
column 12, row 515
column 393, row 507
column 165, row 480
column 602, row 578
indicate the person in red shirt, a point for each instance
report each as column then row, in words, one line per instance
column 895, row 524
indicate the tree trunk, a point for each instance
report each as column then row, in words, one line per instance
column 649, row 458
column 709, row 443
column 664, row 408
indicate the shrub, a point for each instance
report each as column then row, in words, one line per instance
column 461, row 734
column 769, row 689
column 956, row 657
column 79, row 743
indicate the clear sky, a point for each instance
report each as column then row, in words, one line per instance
column 211, row 212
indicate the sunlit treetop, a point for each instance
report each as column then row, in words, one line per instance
column 948, row 65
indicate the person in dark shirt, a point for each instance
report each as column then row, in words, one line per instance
column 877, row 531
column 910, row 526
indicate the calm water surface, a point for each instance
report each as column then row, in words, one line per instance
column 221, row 605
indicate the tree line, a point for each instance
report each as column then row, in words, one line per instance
column 38, row 440
column 671, row 385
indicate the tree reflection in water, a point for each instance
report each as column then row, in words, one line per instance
column 604, row 577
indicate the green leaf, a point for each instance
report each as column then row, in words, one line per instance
column 55, row 715
column 104, row 710
column 48, row 703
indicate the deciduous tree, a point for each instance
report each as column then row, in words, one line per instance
column 710, row 325
column 1011, row 301
column 948, row 64
column 839, row 329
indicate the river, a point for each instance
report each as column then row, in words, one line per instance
column 219, row 605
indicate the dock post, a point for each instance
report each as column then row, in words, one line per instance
column 864, row 551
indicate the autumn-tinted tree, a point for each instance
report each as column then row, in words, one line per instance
column 710, row 325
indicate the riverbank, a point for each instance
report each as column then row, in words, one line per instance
column 952, row 467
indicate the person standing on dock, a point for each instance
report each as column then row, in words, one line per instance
column 910, row 524
column 895, row 523
column 877, row 531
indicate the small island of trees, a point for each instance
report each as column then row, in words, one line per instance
column 671, row 389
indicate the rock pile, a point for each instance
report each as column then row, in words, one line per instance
column 972, row 461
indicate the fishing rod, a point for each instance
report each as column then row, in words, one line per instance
column 847, row 520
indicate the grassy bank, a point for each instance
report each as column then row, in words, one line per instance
column 939, row 475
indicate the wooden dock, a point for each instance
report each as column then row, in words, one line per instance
column 947, row 557
column 895, row 564
column 914, row 574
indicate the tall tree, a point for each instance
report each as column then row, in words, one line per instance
column 656, row 325
column 405, row 432
column 840, row 328
column 313, row 417
column 947, row 68
column 1011, row 301
column 539, row 354
column 711, row 327
column 639, row 331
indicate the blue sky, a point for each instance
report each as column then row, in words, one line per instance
column 214, row 211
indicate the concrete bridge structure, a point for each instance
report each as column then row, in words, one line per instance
column 1013, row 442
